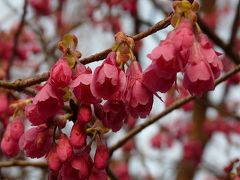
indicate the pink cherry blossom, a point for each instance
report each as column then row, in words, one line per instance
column 60, row 74
column 182, row 38
column 108, row 78
column 165, row 58
column 138, row 98
column 36, row 142
column 79, row 167
column 155, row 82
column 115, row 115
column 201, row 70
column 81, row 87
column 46, row 104
column 211, row 56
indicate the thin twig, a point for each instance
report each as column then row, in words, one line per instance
column 17, row 34
column 23, row 163
column 111, row 174
column 235, row 26
column 171, row 108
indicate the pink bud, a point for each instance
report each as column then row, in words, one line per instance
column 77, row 136
column 9, row 146
column 101, row 157
column 61, row 73
column 80, row 163
column 53, row 159
column 64, row 148
column 81, row 87
column 108, row 78
column 84, row 114
column 17, row 128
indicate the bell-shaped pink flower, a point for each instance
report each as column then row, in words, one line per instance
column 138, row 97
column 108, row 78
column 198, row 77
column 115, row 115
column 60, row 74
column 211, row 56
column 182, row 37
column 64, row 148
column 155, row 82
column 83, row 166
column 165, row 58
column 101, row 157
column 81, row 87
column 79, row 167
column 36, row 142
column 77, row 136
column 46, row 104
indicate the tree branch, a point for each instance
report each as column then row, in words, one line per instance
column 23, row 163
column 16, row 37
column 235, row 26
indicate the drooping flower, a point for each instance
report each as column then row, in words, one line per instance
column 46, row 104
column 36, row 142
column 182, row 37
column 81, row 87
column 201, row 70
column 138, row 97
column 211, row 56
column 155, row 82
column 79, row 167
column 108, row 78
column 115, row 115
column 60, row 74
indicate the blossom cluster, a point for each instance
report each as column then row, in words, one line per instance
column 117, row 92
column 183, row 51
